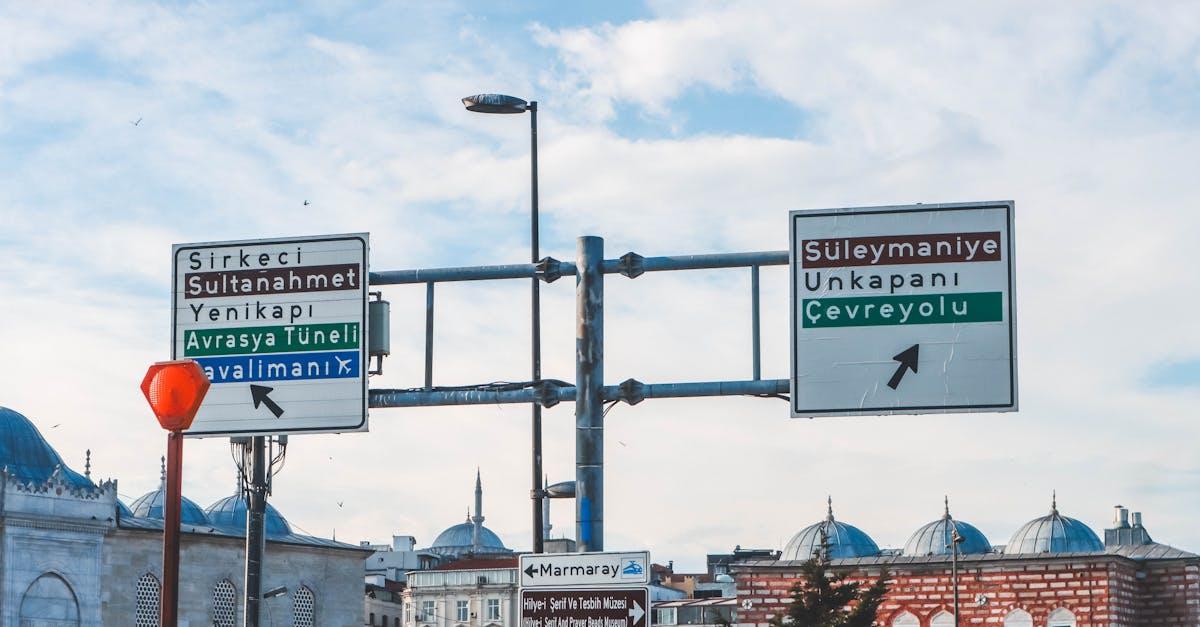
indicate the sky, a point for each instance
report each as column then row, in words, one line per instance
column 665, row 127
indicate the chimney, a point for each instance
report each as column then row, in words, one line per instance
column 1120, row 517
column 1122, row 534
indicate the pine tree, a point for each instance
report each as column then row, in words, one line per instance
column 822, row 598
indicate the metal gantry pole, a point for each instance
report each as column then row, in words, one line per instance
column 429, row 335
column 589, row 404
column 255, row 536
column 535, row 494
column 755, row 336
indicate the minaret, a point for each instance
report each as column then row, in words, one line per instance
column 477, row 519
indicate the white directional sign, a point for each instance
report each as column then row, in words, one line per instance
column 280, row 327
column 903, row 310
column 558, row 570
column 582, row 607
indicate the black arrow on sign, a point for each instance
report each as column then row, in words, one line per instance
column 529, row 571
column 259, row 394
column 908, row 361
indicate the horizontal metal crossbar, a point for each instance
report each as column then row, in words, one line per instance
column 631, row 391
column 630, row 264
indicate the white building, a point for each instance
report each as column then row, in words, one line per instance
column 393, row 562
column 469, row 592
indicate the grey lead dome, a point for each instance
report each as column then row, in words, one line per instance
column 1054, row 533
column 935, row 538
column 844, row 540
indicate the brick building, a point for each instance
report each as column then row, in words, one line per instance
column 1054, row 572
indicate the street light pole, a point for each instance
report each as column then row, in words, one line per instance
column 536, row 305
column 499, row 103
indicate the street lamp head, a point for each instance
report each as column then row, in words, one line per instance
column 495, row 103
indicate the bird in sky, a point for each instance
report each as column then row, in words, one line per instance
column 305, row 203
column 340, row 503
column 56, row 426
column 621, row 443
column 139, row 121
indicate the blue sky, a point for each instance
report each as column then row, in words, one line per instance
column 667, row 127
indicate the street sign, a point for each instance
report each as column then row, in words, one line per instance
column 577, row 607
column 557, row 570
column 903, row 310
column 280, row 327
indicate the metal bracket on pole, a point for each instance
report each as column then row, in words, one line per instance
column 545, row 393
column 548, row 269
column 632, row 265
column 632, row 391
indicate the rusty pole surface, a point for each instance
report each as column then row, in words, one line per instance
column 169, row 614
column 589, row 402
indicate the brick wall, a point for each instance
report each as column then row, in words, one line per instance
column 1169, row 594
column 1101, row 591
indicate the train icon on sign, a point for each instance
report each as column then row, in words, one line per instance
column 633, row 570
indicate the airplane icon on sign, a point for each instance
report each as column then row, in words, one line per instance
column 343, row 364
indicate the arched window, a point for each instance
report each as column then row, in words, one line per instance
column 942, row 619
column 49, row 601
column 904, row 619
column 304, row 608
column 148, row 595
column 224, row 604
column 1018, row 618
column 1061, row 618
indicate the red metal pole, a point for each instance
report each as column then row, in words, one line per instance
column 169, row 616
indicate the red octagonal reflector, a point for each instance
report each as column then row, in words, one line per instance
column 175, row 390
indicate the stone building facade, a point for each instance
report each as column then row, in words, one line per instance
column 73, row 555
column 324, row 586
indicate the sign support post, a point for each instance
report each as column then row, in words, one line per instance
column 171, row 516
column 174, row 390
column 256, row 508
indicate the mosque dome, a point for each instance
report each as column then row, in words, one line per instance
column 150, row 505
column 935, row 537
column 28, row 457
column 229, row 513
column 1054, row 533
column 462, row 536
column 844, row 540
column 470, row 537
